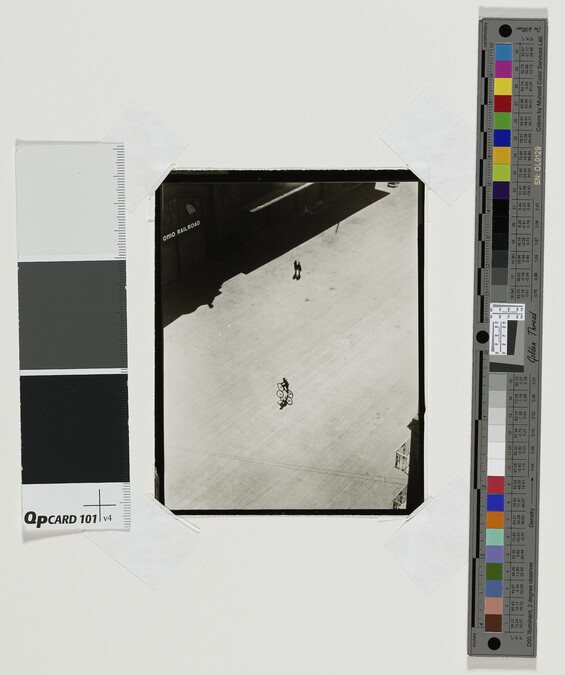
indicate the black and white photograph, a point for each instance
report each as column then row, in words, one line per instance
column 289, row 335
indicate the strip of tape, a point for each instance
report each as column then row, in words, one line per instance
column 150, row 150
column 434, row 542
column 436, row 144
column 155, row 546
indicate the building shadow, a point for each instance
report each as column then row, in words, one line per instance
column 265, row 234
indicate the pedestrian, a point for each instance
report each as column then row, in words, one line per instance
column 295, row 270
column 298, row 270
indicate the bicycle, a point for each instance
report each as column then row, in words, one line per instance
column 285, row 395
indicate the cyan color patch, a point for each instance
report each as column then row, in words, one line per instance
column 503, row 52
column 495, row 537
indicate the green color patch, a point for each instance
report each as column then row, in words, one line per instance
column 494, row 571
column 501, row 172
column 502, row 120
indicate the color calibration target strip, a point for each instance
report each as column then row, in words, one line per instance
column 73, row 341
column 507, row 337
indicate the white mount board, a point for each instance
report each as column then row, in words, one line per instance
column 252, row 84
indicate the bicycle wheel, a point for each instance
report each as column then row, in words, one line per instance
column 289, row 401
column 280, row 393
column 289, row 394
column 280, row 386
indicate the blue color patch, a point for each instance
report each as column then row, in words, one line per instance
column 503, row 52
column 502, row 138
column 493, row 589
column 495, row 502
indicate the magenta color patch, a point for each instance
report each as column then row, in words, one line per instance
column 503, row 69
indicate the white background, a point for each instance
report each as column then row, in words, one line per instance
column 304, row 83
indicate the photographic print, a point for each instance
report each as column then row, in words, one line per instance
column 289, row 340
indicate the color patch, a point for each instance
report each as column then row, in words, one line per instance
column 493, row 605
column 495, row 554
column 493, row 623
column 496, row 415
column 74, row 429
column 501, row 155
column 498, row 294
column 495, row 537
column 502, row 120
column 500, row 259
column 499, row 276
column 512, row 336
column 495, row 519
column 502, row 138
column 72, row 213
column 502, row 104
column 503, row 86
column 499, row 240
column 495, row 485
column 501, row 172
column 496, row 399
column 500, row 207
column 503, row 52
column 495, row 467
column 501, row 223
column 495, row 502
column 72, row 315
column 496, row 433
column 494, row 571
column 493, row 589
column 497, row 367
column 501, row 190
column 503, row 68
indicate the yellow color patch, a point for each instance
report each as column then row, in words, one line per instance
column 503, row 86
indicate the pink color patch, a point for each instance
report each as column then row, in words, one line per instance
column 493, row 605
